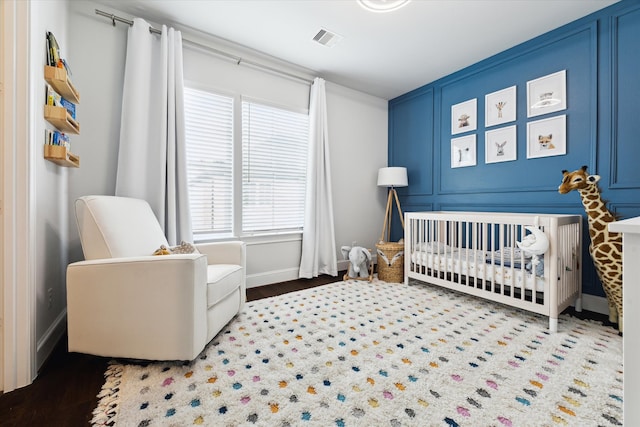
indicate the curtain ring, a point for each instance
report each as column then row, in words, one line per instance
column 113, row 19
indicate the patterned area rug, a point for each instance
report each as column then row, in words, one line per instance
column 379, row 354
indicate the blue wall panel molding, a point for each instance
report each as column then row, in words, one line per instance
column 625, row 116
column 396, row 228
column 412, row 125
column 598, row 53
column 417, row 207
column 625, row 210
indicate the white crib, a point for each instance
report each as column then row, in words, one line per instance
column 476, row 253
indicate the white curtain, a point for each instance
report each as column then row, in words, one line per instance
column 318, row 238
column 152, row 153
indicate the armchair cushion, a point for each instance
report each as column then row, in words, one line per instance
column 114, row 227
column 222, row 280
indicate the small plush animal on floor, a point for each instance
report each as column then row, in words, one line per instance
column 359, row 262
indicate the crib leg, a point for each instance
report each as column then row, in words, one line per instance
column 578, row 304
column 553, row 325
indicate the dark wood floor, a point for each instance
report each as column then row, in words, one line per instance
column 64, row 393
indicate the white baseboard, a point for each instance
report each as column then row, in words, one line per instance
column 270, row 277
column 50, row 339
column 595, row 304
column 284, row 275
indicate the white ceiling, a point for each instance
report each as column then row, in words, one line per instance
column 384, row 54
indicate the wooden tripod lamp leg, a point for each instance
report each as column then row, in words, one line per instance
column 390, row 220
column 386, row 217
column 395, row 193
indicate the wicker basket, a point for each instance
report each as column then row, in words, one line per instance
column 391, row 261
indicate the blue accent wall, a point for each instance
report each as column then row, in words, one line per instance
column 599, row 54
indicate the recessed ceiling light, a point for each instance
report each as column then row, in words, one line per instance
column 382, row 5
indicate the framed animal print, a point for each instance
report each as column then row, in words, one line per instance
column 547, row 137
column 547, row 94
column 500, row 145
column 464, row 116
column 500, row 107
column 463, row 151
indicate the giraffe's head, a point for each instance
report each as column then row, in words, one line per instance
column 577, row 180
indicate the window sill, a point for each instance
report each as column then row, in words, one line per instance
column 266, row 238
column 254, row 239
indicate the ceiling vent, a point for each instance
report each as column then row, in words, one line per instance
column 327, row 38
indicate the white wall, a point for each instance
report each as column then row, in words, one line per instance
column 357, row 132
column 97, row 51
column 358, row 139
column 51, row 188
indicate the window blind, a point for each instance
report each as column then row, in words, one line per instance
column 209, row 141
column 274, row 162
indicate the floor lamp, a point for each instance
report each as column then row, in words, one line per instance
column 392, row 177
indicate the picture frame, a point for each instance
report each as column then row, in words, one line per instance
column 547, row 137
column 463, row 151
column 500, row 107
column 500, row 145
column 547, row 94
column 464, row 116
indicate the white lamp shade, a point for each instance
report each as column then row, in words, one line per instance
column 392, row 177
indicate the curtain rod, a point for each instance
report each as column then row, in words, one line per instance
column 237, row 59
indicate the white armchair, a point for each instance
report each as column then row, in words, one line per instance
column 124, row 302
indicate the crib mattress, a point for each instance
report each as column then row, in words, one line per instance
column 478, row 267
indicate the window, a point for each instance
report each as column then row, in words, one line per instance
column 271, row 174
column 274, row 163
column 209, row 136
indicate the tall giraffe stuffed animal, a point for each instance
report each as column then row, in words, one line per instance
column 605, row 247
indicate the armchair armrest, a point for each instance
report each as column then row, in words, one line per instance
column 148, row 307
column 224, row 252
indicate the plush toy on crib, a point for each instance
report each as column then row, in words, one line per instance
column 359, row 262
column 535, row 244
